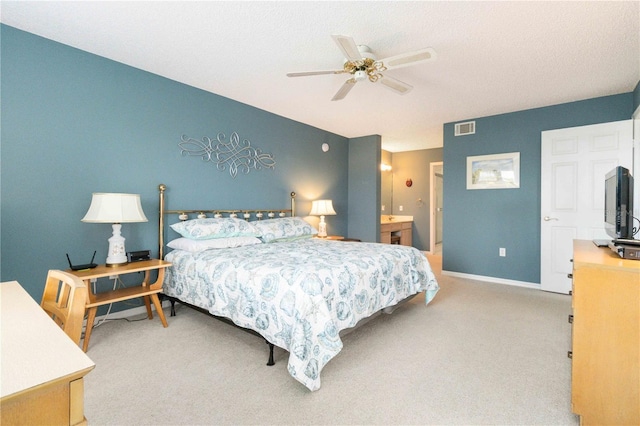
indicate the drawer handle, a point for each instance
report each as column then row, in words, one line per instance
column 570, row 276
column 570, row 354
column 570, row 319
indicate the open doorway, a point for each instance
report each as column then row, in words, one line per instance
column 436, row 177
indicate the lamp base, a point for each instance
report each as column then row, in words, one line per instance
column 117, row 254
column 322, row 228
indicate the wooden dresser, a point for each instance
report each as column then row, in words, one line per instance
column 41, row 381
column 605, row 378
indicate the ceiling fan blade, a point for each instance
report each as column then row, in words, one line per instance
column 344, row 90
column 348, row 47
column 409, row 58
column 306, row 73
column 396, row 85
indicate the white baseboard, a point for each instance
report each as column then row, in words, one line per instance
column 495, row 280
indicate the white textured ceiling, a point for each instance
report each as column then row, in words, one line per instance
column 493, row 57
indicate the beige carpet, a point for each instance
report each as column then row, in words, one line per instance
column 480, row 353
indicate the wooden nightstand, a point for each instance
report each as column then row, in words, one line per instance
column 331, row 237
column 145, row 290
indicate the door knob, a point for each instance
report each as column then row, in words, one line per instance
column 547, row 218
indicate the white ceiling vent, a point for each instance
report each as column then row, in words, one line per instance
column 467, row 128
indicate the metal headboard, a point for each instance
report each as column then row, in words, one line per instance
column 258, row 214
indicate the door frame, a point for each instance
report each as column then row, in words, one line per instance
column 636, row 163
column 432, row 204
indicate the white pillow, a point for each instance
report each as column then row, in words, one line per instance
column 209, row 228
column 283, row 229
column 195, row 246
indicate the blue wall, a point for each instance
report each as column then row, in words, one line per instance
column 364, row 209
column 478, row 222
column 74, row 123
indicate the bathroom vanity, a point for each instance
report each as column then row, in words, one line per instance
column 396, row 229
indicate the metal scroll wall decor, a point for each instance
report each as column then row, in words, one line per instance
column 236, row 155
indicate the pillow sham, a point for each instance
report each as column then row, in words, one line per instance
column 209, row 228
column 284, row 229
column 195, row 246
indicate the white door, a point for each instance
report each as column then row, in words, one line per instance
column 574, row 162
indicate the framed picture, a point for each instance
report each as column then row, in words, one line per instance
column 494, row 171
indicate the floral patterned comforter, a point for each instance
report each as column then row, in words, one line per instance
column 299, row 295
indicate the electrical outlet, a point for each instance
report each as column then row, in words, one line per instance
column 503, row 252
column 401, row 208
column 383, row 207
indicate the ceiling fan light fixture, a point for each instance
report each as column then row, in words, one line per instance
column 360, row 75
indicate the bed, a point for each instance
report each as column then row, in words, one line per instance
column 296, row 291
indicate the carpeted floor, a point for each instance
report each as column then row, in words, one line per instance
column 480, row 353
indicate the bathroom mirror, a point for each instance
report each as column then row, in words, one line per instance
column 386, row 198
column 386, row 184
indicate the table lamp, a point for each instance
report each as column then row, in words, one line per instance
column 322, row 208
column 115, row 209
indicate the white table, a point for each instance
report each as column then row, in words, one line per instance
column 41, row 368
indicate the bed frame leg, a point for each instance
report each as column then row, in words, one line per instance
column 171, row 300
column 271, row 361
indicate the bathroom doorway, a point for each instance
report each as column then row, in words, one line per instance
column 436, row 202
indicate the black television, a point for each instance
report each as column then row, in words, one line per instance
column 618, row 203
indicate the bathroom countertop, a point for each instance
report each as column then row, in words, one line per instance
column 391, row 218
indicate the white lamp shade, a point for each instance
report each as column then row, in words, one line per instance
column 322, row 208
column 115, row 208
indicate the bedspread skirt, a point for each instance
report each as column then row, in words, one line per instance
column 299, row 295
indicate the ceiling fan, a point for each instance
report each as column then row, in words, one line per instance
column 362, row 64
